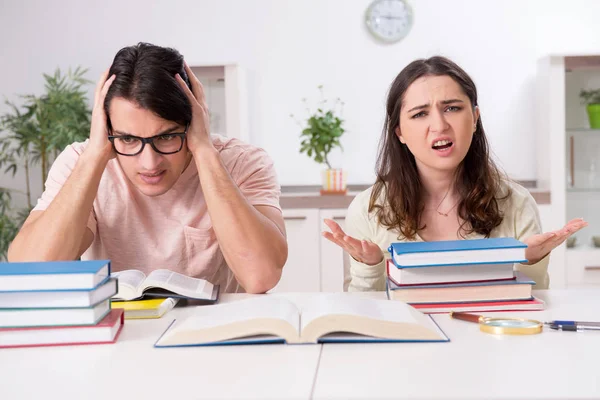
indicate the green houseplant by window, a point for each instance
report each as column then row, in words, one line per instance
column 33, row 134
column 592, row 99
column 321, row 133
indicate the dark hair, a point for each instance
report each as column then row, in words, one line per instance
column 145, row 75
column 478, row 179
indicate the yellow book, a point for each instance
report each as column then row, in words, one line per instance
column 141, row 309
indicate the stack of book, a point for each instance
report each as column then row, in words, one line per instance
column 460, row 275
column 57, row 303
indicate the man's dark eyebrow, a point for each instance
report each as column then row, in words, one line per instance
column 445, row 102
column 166, row 131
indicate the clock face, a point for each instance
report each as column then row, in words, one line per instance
column 389, row 20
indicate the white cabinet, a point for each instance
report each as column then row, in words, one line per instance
column 335, row 266
column 302, row 271
column 583, row 268
column 314, row 264
column 567, row 159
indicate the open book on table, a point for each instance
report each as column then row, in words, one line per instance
column 322, row 318
column 134, row 284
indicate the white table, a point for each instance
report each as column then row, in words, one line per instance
column 475, row 364
column 133, row 369
column 472, row 365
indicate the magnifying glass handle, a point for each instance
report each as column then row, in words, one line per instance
column 466, row 317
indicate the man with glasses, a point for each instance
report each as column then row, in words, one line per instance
column 165, row 143
column 152, row 188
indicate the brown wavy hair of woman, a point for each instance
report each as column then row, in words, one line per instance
column 397, row 193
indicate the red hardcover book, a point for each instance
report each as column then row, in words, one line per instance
column 533, row 304
column 106, row 331
column 518, row 288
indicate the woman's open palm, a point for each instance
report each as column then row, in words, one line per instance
column 361, row 250
column 538, row 246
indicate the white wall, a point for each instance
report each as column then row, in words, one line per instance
column 288, row 47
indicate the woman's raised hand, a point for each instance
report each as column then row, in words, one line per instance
column 361, row 250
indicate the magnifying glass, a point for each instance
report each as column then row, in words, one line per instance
column 501, row 325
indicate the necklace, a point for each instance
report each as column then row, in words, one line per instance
column 437, row 210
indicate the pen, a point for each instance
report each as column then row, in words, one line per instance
column 574, row 326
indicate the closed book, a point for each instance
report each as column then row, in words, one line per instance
column 53, row 275
column 449, row 273
column 106, row 331
column 72, row 298
column 28, row 317
column 142, row 309
column 518, row 288
column 533, row 304
column 458, row 252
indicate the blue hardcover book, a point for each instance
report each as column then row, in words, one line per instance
column 53, row 275
column 314, row 318
column 72, row 298
column 458, row 252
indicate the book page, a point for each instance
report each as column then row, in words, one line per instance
column 180, row 284
column 229, row 321
column 129, row 284
column 355, row 305
column 260, row 306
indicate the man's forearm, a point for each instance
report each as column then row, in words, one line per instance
column 57, row 234
column 253, row 246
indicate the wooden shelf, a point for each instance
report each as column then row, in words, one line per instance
column 584, row 130
column 583, row 190
column 582, row 63
column 583, row 248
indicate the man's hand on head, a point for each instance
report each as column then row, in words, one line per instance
column 198, row 133
column 99, row 145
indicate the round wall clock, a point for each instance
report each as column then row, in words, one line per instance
column 389, row 20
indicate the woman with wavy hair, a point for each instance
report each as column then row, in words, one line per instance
column 437, row 181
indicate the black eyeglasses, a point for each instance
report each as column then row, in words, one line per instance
column 166, row 143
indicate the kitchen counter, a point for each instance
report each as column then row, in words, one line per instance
column 309, row 196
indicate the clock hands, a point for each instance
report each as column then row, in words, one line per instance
column 388, row 17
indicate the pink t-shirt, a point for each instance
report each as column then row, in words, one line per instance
column 173, row 230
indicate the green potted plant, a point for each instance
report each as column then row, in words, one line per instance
column 321, row 133
column 34, row 134
column 592, row 99
column 9, row 224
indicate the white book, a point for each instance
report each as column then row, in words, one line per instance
column 449, row 273
column 26, row 317
column 322, row 318
column 134, row 284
